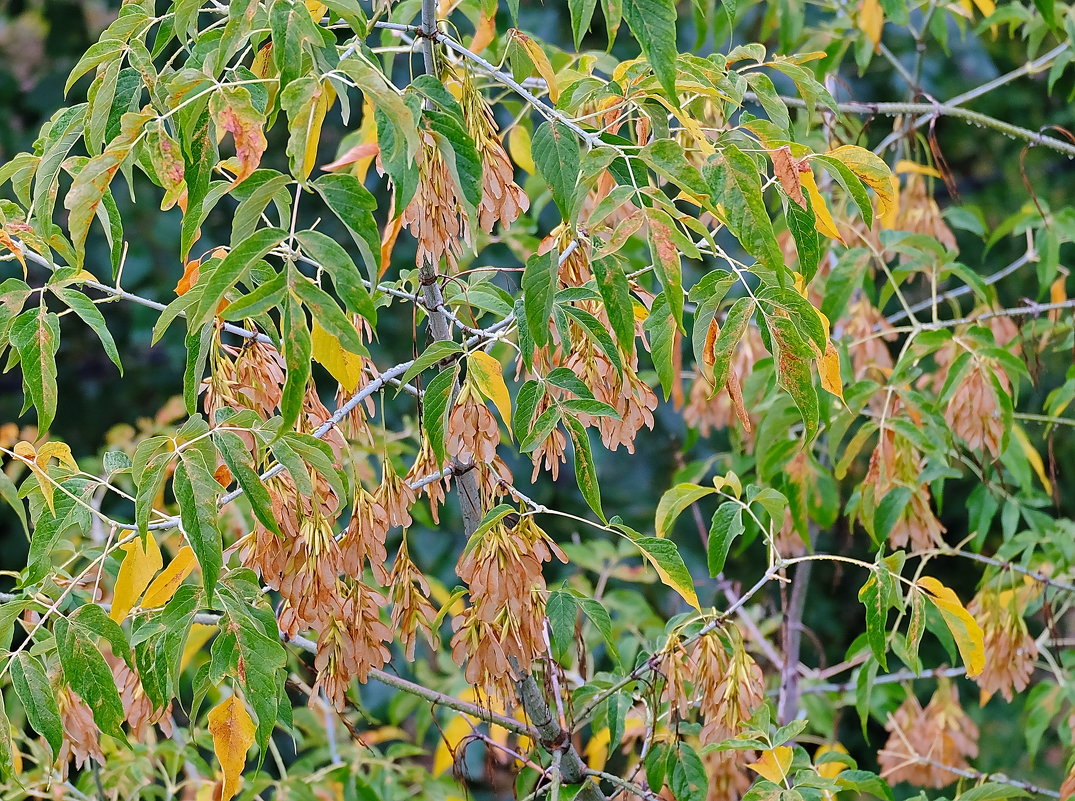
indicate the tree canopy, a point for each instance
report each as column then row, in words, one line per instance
column 602, row 401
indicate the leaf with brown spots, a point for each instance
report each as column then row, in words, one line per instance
column 233, row 112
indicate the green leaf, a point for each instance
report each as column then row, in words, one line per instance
column 598, row 615
column 597, row 332
column 241, row 465
column 88, row 312
column 462, row 157
column 585, row 471
column 353, row 204
column 851, row 184
column 198, row 343
column 735, row 325
column 738, row 187
column 435, row 410
column 231, row 270
column 725, row 528
column 87, row 673
column 331, row 256
column 34, row 691
column 530, row 395
column 323, row 308
column 668, row 159
column 873, row 597
column 689, row 779
column 436, row 352
column 298, row 353
column 35, row 334
column 556, row 155
column 539, row 287
column 653, row 22
column 992, row 791
column 615, row 292
column 561, row 611
column 673, row 502
column 661, row 328
column 664, row 556
column 196, row 492
column 95, row 624
column 70, row 512
column 581, row 14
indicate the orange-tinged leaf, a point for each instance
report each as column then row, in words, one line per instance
column 139, row 566
column 164, row 586
column 773, row 764
column 488, row 377
column 485, row 32
column 828, row 368
column 520, row 148
column 388, row 243
column 871, row 20
column 964, row 628
column 823, row 222
column 873, row 171
column 223, row 476
column 233, row 734
column 787, row 172
column 344, row 366
column 189, row 277
column 541, row 63
column 363, row 151
column 10, row 244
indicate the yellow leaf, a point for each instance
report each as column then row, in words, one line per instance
column 26, row 450
column 1033, row 457
column 460, row 726
column 872, row 169
column 317, row 10
column 597, row 749
column 519, row 147
column 139, row 566
column 487, row 376
column 38, row 461
column 823, row 222
column 904, row 166
column 198, row 636
column 165, row 585
column 871, row 20
column 965, row 629
column 59, row 451
column 888, row 219
column 452, row 735
column 344, row 366
column 828, row 367
column 829, row 770
column 773, row 764
column 541, row 63
column 233, row 734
